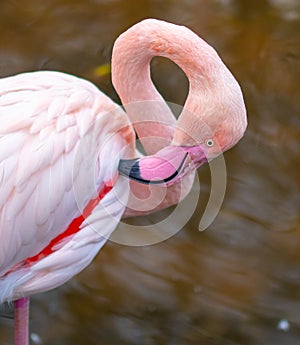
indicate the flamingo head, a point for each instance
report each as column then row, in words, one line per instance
column 214, row 116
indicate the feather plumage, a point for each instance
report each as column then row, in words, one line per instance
column 49, row 171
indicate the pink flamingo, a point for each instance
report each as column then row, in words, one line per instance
column 65, row 148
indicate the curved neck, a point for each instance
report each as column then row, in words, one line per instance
column 131, row 57
column 134, row 49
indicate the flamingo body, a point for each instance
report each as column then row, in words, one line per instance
column 53, row 127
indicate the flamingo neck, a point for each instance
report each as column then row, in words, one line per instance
column 149, row 113
column 135, row 48
column 131, row 57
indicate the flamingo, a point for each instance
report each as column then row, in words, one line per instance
column 67, row 152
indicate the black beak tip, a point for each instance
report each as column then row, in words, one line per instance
column 130, row 168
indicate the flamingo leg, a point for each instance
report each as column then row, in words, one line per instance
column 21, row 321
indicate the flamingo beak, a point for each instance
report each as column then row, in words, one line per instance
column 167, row 166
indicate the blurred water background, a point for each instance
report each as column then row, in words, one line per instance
column 238, row 282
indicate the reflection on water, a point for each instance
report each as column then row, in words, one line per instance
column 239, row 281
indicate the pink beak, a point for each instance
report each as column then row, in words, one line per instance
column 167, row 166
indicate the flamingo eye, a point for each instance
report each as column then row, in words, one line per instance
column 209, row 143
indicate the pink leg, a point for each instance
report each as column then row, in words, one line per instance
column 21, row 321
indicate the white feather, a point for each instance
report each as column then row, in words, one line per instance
column 71, row 138
column 39, row 123
column 84, row 120
column 77, row 99
column 64, row 122
column 49, row 171
column 11, row 143
column 56, row 107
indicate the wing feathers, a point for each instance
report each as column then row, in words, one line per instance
column 11, row 143
column 84, row 120
column 12, row 124
column 71, row 138
column 56, row 107
column 38, row 124
column 44, row 117
column 64, row 122
column 76, row 100
column 7, row 173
